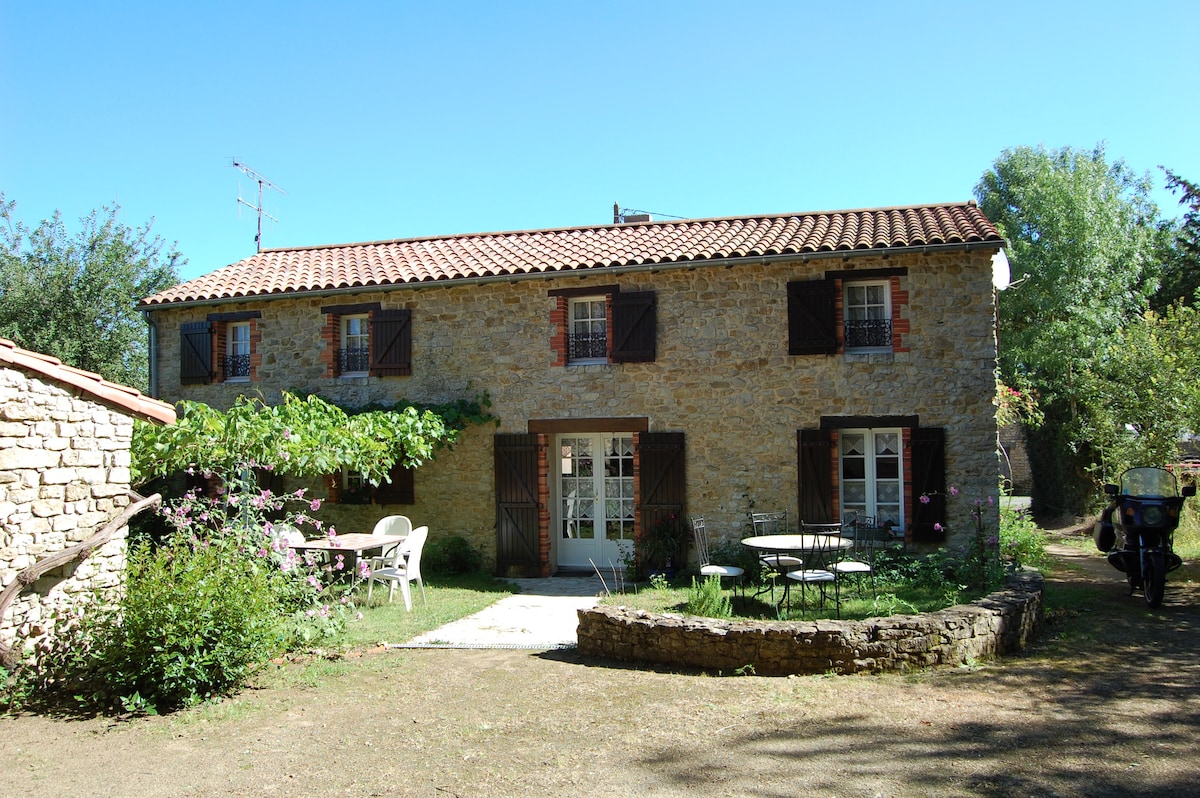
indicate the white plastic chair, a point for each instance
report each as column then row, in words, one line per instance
column 400, row 566
column 392, row 525
column 706, row 567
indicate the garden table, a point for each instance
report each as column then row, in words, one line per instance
column 768, row 546
column 352, row 544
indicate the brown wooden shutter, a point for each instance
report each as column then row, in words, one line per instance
column 391, row 343
column 929, row 479
column 195, row 353
column 812, row 317
column 401, row 489
column 517, row 508
column 634, row 327
column 661, row 478
column 815, row 471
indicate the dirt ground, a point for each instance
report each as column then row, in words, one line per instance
column 1106, row 703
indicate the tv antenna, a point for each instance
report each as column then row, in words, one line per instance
column 262, row 181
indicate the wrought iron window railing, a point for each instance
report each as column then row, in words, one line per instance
column 588, row 346
column 235, row 366
column 355, row 359
column 868, row 333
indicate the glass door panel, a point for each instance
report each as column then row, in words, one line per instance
column 595, row 499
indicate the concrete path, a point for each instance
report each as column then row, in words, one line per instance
column 542, row 616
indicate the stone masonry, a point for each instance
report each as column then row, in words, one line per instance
column 1002, row 622
column 64, row 472
column 722, row 375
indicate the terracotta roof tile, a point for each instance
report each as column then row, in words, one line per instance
column 128, row 399
column 524, row 252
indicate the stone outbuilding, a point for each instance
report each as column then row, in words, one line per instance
column 821, row 363
column 65, row 438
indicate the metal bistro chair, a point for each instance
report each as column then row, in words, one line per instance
column 706, row 567
column 775, row 563
column 818, row 552
column 859, row 560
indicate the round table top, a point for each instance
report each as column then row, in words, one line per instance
column 796, row 542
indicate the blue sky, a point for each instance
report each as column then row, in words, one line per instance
column 392, row 120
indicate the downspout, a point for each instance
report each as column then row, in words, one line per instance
column 152, row 353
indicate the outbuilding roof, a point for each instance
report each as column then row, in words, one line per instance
column 128, row 399
column 476, row 256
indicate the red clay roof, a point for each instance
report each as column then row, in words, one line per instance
column 124, row 397
column 529, row 252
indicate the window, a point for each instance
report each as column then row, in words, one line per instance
column 588, row 336
column 593, row 328
column 867, row 315
column 354, row 355
column 236, row 363
column 870, row 468
column 367, row 340
column 398, row 489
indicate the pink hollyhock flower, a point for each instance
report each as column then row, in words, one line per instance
column 316, row 505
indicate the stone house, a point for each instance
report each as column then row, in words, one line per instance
column 818, row 363
column 64, row 474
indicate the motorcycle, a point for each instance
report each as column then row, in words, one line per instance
column 1145, row 508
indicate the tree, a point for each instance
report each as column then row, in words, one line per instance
column 1181, row 256
column 73, row 295
column 1082, row 241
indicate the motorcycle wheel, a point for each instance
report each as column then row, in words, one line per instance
column 1155, row 581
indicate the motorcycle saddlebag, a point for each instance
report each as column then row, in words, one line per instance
column 1105, row 536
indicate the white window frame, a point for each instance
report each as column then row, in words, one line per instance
column 358, row 339
column 868, row 309
column 238, row 344
column 871, row 479
column 591, row 322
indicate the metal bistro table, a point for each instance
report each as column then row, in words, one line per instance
column 353, row 543
column 792, row 546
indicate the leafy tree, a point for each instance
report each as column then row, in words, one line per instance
column 1082, row 239
column 1181, row 256
column 73, row 295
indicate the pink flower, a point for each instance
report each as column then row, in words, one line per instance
column 364, row 569
column 924, row 499
column 937, row 527
column 953, row 491
column 316, row 505
column 339, row 563
column 312, row 582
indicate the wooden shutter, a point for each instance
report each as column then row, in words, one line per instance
column 401, row 489
column 661, row 477
column 634, row 327
column 812, row 317
column 815, row 475
column 517, row 508
column 928, row 478
column 391, row 343
column 195, row 353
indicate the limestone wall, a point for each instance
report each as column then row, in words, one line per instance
column 1002, row 622
column 722, row 375
column 64, row 472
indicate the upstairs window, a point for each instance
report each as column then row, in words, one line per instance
column 354, row 355
column 367, row 340
column 587, row 340
column 594, row 328
column 867, row 312
column 236, row 363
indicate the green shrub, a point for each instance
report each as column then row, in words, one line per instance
column 1021, row 542
column 708, row 600
column 194, row 623
column 453, row 555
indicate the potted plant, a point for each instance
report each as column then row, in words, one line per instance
column 661, row 547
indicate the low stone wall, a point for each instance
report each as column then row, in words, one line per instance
column 999, row 623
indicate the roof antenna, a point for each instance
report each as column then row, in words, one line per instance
column 262, row 181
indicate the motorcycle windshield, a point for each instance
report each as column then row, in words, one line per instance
column 1149, row 482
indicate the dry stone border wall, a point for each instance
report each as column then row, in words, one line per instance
column 1002, row 622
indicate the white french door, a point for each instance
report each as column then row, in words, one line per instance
column 594, row 501
column 870, row 464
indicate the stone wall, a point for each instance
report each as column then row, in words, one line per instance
column 722, row 375
column 1002, row 622
column 64, row 472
